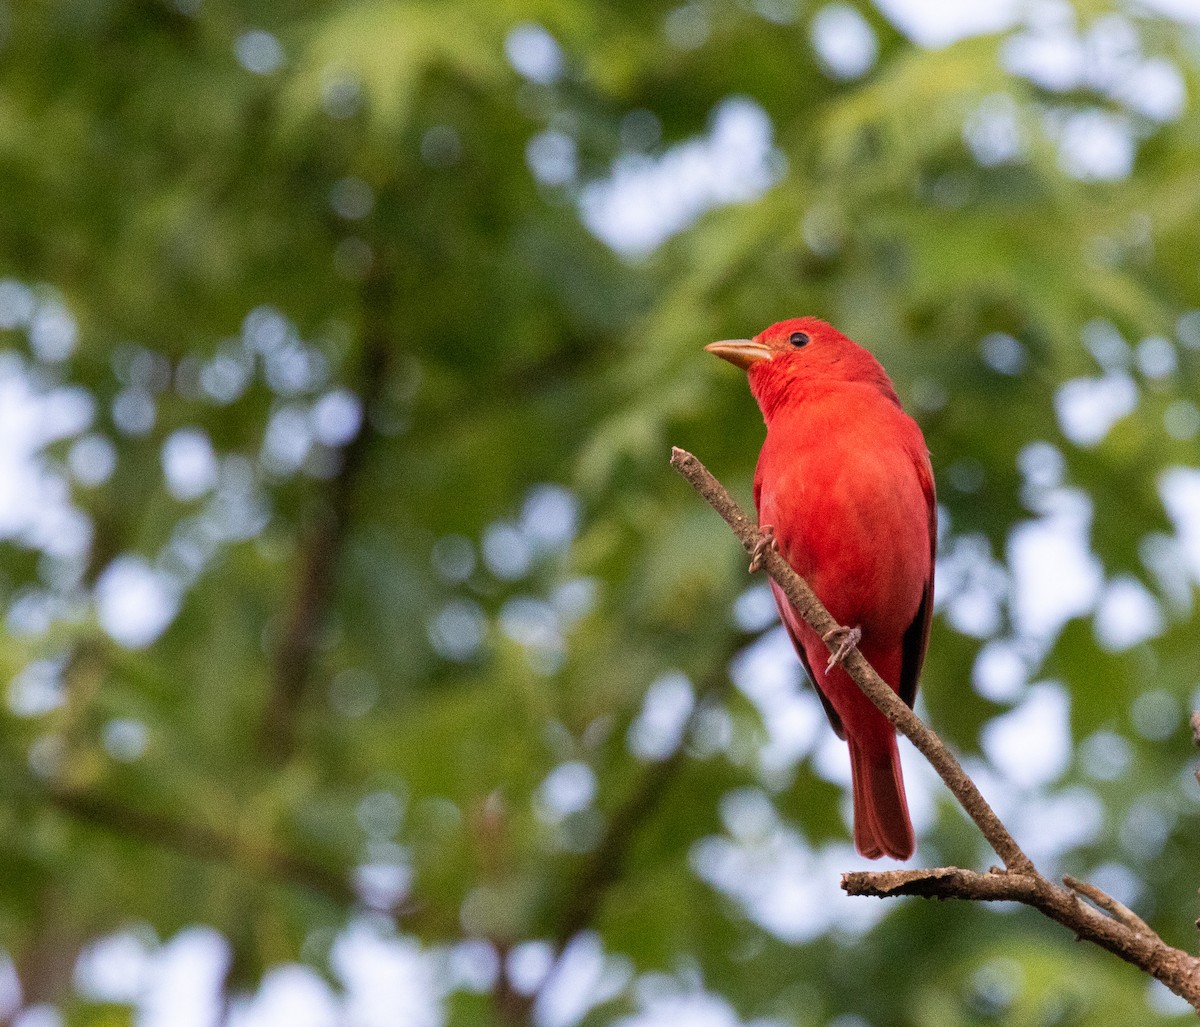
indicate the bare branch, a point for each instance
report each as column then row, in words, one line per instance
column 323, row 536
column 185, row 836
column 606, row 862
column 1196, row 739
column 1110, row 905
column 202, row 842
column 1121, row 931
column 1138, row 944
column 891, row 705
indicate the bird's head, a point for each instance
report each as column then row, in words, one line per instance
column 793, row 356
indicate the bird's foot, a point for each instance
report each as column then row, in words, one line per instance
column 846, row 639
column 759, row 553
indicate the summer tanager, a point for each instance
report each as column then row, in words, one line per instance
column 844, row 491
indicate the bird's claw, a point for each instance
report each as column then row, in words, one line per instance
column 759, row 554
column 846, row 639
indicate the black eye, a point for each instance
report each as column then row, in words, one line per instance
column 798, row 339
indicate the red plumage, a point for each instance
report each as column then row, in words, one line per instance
column 844, row 480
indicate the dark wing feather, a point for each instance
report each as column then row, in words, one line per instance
column 916, row 636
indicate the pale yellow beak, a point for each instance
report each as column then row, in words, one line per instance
column 740, row 352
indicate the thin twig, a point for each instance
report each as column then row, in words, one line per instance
column 1121, row 932
column 1110, row 905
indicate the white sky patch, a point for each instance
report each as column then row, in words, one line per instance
column 553, row 157
column 115, row 968
column 53, row 333
column 133, row 411
column 134, row 602
column 534, row 624
column 935, row 24
column 37, row 689
column 1113, row 51
column 388, row 981
column 292, row 995
column 971, row 585
column 1001, row 671
column 665, row 1004
column 993, row 134
column 1056, row 576
column 259, row 52
column 17, row 304
column 1105, row 343
column 922, row 786
column 1087, row 408
column 687, row 26
column 528, row 964
column 534, row 53
column 506, row 551
column 189, row 464
column 1179, row 488
column 35, row 501
column 1122, row 884
column 769, row 674
column 1165, row 1002
column 783, row 884
column 473, row 965
column 10, row 986
column 831, row 761
column 287, row 441
column 92, row 460
column 568, row 788
column 646, row 200
column 1051, row 825
column 574, row 599
column 1105, row 755
column 658, row 729
column 1107, row 58
column 1031, row 746
column 337, row 417
column 1181, row 10
column 844, row 41
column 1127, row 615
column 754, row 609
column 185, row 982
column 584, row 976
column 125, row 739
column 1095, row 145
column 1156, row 89
column 549, row 517
column 1053, row 57
column 457, row 631
column 1156, row 357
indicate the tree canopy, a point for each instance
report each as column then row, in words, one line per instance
column 353, row 611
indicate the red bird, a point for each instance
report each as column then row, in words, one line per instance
column 844, row 490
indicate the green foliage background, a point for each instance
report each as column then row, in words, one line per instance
column 178, row 207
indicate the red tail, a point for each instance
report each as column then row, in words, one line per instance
column 881, row 823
